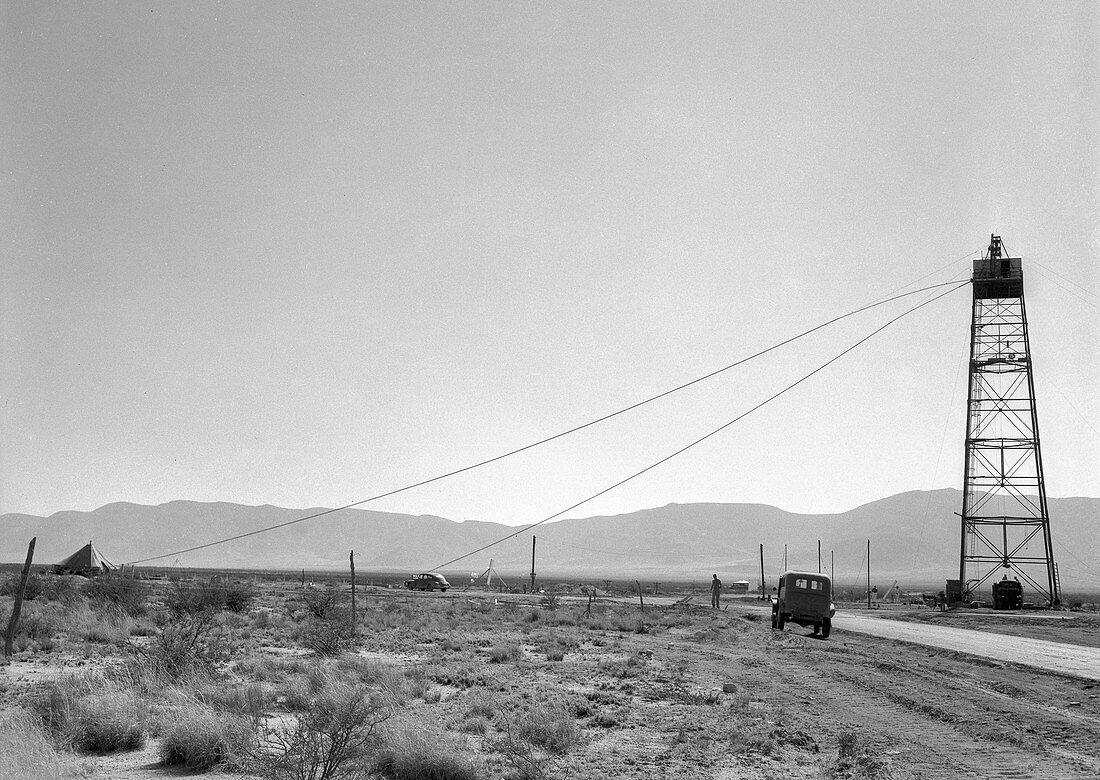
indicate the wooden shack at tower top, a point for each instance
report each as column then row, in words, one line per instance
column 87, row 561
column 998, row 277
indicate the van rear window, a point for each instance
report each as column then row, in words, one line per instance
column 804, row 583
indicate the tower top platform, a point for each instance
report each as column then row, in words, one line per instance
column 996, row 276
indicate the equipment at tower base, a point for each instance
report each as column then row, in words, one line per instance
column 1005, row 523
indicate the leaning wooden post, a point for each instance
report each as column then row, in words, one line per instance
column 354, row 614
column 9, row 637
column 641, row 603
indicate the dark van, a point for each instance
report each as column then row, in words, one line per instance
column 805, row 598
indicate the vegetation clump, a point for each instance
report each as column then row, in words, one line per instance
column 200, row 738
column 336, row 737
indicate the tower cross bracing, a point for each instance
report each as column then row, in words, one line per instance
column 1005, row 523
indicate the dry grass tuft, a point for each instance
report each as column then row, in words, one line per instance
column 550, row 726
column 91, row 713
column 417, row 754
column 200, row 738
column 27, row 753
column 499, row 654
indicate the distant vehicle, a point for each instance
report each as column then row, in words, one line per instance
column 805, row 598
column 428, row 581
column 1008, row 594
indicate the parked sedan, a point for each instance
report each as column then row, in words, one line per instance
column 428, row 581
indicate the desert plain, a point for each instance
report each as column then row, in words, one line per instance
column 262, row 677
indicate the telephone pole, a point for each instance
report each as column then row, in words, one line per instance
column 532, row 564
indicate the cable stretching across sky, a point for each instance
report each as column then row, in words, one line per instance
column 719, row 429
column 556, row 436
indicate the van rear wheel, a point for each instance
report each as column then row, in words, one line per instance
column 817, row 628
column 826, row 625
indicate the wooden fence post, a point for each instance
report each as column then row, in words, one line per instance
column 9, row 637
column 354, row 614
column 641, row 603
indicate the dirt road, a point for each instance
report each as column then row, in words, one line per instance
column 1037, row 653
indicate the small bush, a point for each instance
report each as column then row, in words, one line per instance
column 187, row 646
column 88, row 713
column 106, row 623
column 481, row 704
column 422, row 755
column 748, row 737
column 333, row 738
column 326, row 637
column 200, row 738
column 248, row 699
column 550, row 726
column 607, row 720
column 9, row 586
column 63, row 588
column 185, row 599
column 475, row 724
column 239, row 596
column 126, row 592
column 322, row 603
column 502, row 653
column 106, row 722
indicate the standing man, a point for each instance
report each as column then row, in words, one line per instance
column 715, row 591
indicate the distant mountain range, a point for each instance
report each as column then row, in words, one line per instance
column 914, row 539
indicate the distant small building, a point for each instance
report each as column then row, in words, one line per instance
column 86, row 561
column 741, row 586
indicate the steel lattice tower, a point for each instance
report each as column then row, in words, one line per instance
column 1005, row 525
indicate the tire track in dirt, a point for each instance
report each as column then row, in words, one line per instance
column 954, row 725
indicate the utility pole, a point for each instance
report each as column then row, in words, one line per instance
column 532, row 564
column 354, row 614
column 832, row 565
column 819, row 556
column 868, row 574
column 762, row 568
column 784, row 557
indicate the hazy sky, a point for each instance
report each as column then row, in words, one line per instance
column 299, row 254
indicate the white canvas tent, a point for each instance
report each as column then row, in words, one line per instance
column 87, row 560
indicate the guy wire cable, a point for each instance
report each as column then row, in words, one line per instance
column 546, row 440
column 703, row 438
